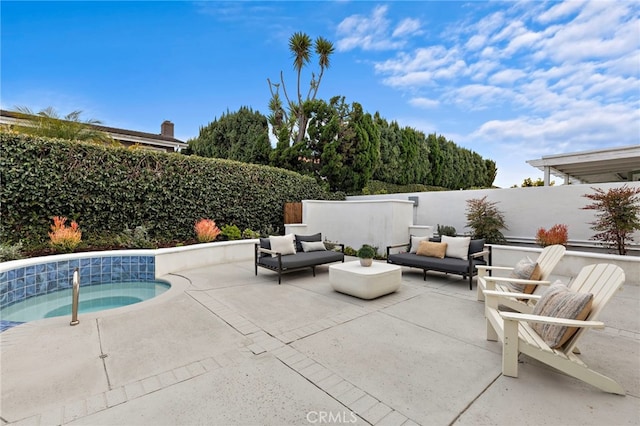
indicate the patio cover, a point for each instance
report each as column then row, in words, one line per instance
column 621, row 164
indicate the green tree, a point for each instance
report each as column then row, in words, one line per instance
column 48, row 123
column 486, row 220
column 491, row 172
column 528, row 183
column 290, row 123
column 389, row 168
column 343, row 145
column 241, row 136
column 618, row 215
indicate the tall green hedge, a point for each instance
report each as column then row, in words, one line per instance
column 107, row 189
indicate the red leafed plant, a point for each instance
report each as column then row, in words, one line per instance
column 62, row 237
column 557, row 234
column 617, row 215
column 206, row 230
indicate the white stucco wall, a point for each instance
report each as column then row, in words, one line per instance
column 174, row 259
column 572, row 261
column 525, row 209
column 376, row 222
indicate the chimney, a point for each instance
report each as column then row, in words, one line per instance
column 166, row 128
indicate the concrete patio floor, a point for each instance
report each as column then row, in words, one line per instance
column 224, row 347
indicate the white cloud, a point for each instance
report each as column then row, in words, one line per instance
column 366, row 33
column 560, row 10
column 374, row 32
column 424, row 103
column 477, row 97
column 509, row 76
column 490, row 24
column 408, row 26
column 476, row 42
column 530, row 79
column 424, row 66
column 595, row 127
column 600, row 30
column 513, row 29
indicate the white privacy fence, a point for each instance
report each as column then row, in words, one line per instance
column 525, row 209
column 376, row 222
column 384, row 220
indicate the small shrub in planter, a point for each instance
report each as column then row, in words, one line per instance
column 10, row 252
column 557, row 234
column 231, row 232
column 206, row 230
column 486, row 220
column 64, row 238
column 447, row 230
column 136, row 238
column 366, row 252
column 618, row 215
column 250, row 234
column 350, row 251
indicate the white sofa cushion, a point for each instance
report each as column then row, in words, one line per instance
column 284, row 244
column 457, row 247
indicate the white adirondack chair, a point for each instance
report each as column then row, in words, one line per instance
column 547, row 261
column 517, row 336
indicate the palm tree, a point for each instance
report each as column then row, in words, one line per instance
column 48, row 123
column 296, row 120
column 299, row 44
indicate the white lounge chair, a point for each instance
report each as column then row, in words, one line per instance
column 547, row 261
column 518, row 336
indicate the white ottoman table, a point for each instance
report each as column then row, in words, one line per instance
column 365, row 282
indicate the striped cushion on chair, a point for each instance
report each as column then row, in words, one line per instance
column 559, row 301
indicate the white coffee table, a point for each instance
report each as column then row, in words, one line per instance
column 365, row 282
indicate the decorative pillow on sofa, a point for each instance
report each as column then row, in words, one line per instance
column 559, row 301
column 301, row 238
column 525, row 269
column 415, row 243
column 282, row 244
column 430, row 249
column 457, row 247
column 308, row 246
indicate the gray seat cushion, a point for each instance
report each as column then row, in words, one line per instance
column 448, row 264
column 302, row 259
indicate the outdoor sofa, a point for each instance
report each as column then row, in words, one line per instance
column 460, row 256
column 308, row 251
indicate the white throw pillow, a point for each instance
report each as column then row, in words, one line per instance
column 415, row 243
column 457, row 247
column 284, row 244
column 308, row 246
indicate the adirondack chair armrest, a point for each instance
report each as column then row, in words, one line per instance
column 494, row 298
column 515, row 280
column 513, row 316
column 489, row 283
column 510, row 294
column 494, row 268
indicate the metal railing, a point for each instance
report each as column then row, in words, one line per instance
column 75, row 298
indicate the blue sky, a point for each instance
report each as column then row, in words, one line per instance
column 512, row 81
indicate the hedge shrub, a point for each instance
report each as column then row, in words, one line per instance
column 374, row 187
column 110, row 189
